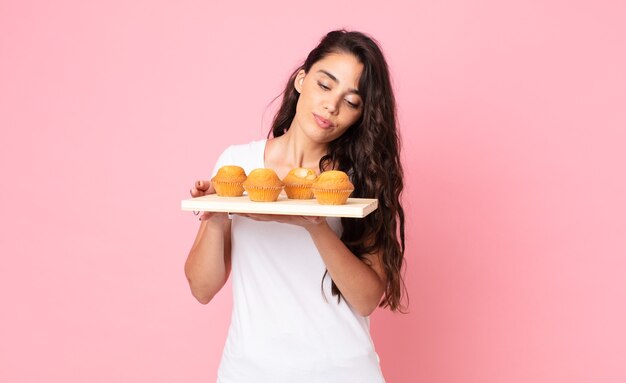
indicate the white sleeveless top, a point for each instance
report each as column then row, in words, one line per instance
column 283, row 329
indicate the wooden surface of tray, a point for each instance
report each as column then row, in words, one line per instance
column 354, row 207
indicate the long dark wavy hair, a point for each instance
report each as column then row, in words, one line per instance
column 369, row 151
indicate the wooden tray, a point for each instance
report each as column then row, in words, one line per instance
column 354, row 208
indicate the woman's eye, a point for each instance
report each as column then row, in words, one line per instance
column 352, row 104
column 323, row 86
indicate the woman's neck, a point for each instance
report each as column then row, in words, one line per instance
column 293, row 150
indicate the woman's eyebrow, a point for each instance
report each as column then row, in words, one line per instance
column 329, row 75
column 332, row 77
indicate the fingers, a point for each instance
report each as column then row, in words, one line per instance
column 200, row 188
column 268, row 217
column 304, row 221
column 211, row 189
column 203, row 185
column 312, row 219
column 255, row 217
column 195, row 192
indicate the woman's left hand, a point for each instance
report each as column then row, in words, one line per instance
column 308, row 222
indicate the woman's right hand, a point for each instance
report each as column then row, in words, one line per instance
column 201, row 188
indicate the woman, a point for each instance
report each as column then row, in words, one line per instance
column 337, row 112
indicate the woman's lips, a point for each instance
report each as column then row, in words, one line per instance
column 322, row 122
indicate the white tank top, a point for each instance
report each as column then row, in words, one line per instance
column 283, row 329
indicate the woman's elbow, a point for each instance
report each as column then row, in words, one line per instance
column 369, row 305
column 203, row 298
column 366, row 310
column 202, row 295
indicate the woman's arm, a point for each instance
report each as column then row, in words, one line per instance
column 362, row 285
column 208, row 264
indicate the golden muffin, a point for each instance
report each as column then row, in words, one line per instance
column 263, row 185
column 228, row 181
column 332, row 187
column 298, row 183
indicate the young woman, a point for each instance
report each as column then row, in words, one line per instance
column 303, row 287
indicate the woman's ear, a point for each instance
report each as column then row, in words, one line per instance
column 297, row 83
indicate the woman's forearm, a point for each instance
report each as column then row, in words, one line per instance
column 208, row 263
column 359, row 284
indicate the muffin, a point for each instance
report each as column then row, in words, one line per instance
column 298, row 183
column 263, row 185
column 228, row 181
column 332, row 188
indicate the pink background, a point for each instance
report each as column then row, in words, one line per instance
column 514, row 125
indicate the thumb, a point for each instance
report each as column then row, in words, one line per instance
column 313, row 219
column 205, row 186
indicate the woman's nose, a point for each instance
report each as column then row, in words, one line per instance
column 332, row 104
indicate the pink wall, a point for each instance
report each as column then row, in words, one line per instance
column 514, row 127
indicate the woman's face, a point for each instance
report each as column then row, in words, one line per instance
column 329, row 100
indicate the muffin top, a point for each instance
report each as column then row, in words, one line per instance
column 300, row 176
column 263, row 177
column 333, row 180
column 230, row 173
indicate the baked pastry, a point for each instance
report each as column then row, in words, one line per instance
column 298, row 183
column 332, row 187
column 228, row 181
column 263, row 185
